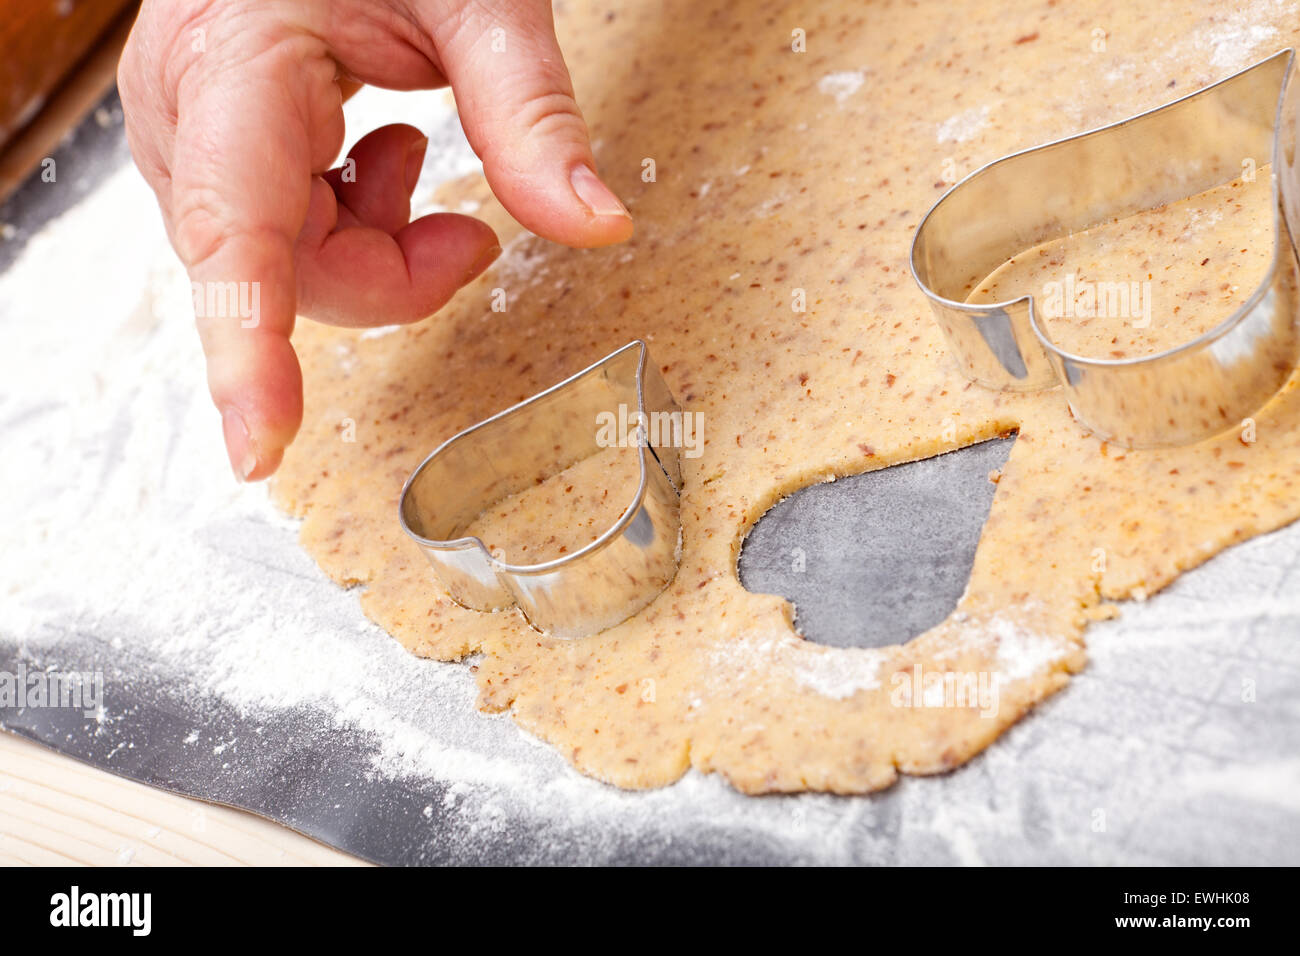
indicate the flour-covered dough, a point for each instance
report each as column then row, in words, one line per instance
column 786, row 178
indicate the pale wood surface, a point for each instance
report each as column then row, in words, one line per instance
column 59, row 811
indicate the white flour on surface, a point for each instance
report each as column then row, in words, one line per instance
column 960, row 127
column 841, row 85
column 125, row 532
column 1241, row 35
column 833, row 671
column 1244, row 30
column 1022, row 653
column 840, row 672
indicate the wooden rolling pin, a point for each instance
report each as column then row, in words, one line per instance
column 57, row 59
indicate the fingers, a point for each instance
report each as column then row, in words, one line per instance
column 256, row 383
column 358, row 260
column 376, row 180
column 235, row 133
column 244, row 151
column 351, row 273
column 517, row 106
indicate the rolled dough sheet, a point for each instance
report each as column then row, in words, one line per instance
column 563, row 513
column 1148, row 282
column 783, row 177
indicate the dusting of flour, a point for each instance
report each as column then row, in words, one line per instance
column 841, row 85
column 127, row 537
column 962, row 126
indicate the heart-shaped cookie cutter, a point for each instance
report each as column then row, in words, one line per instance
column 1205, row 139
column 602, row 583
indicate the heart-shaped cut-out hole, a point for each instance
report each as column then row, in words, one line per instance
column 880, row 557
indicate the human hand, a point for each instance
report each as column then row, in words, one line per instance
column 234, row 115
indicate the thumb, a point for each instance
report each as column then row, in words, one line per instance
column 517, row 107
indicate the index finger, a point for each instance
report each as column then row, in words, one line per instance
column 241, row 183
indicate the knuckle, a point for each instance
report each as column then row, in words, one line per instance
column 201, row 227
column 544, row 119
column 455, row 24
column 549, row 111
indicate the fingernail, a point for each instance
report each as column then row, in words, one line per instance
column 595, row 194
column 239, row 446
column 488, row 257
column 415, row 162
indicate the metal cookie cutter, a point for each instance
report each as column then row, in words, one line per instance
column 597, row 586
column 1174, row 397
